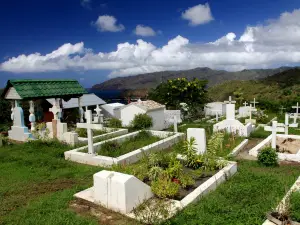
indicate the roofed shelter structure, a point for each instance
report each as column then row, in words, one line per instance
column 32, row 91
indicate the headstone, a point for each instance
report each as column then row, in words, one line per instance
column 230, row 109
column 281, row 109
column 217, row 113
column 119, row 192
column 254, row 103
column 200, row 138
column 99, row 117
column 56, row 110
column 89, row 126
column 252, row 109
column 70, row 138
column 245, row 103
column 19, row 132
column 274, row 128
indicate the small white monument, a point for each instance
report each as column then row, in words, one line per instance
column 274, row 129
column 281, row 109
column 89, row 126
column 230, row 109
column 250, row 120
column 217, row 111
column 200, row 138
column 295, row 116
column 19, row 132
column 99, row 116
column 254, row 103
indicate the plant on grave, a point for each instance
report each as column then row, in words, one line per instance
column 193, row 160
column 114, row 123
column 215, row 143
column 268, row 157
column 41, row 132
column 82, row 132
column 294, row 206
column 142, row 121
column 164, row 187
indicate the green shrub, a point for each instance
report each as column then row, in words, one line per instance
column 186, row 180
column 82, row 132
column 142, row 121
column 115, row 123
column 165, row 188
column 268, row 157
column 295, row 206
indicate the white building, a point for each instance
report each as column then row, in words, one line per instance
column 151, row 108
column 112, row 110
column 210, row 109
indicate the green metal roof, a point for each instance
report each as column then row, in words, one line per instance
column 34, row 89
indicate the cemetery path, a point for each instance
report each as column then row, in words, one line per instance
column 244, row 154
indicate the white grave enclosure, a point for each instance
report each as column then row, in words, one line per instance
column 200, row 138
column 230, row 124
column 272, row 141
column 122, row 192
column 76, row 155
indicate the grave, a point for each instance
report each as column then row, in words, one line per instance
column 122, row 192
column 295, row 115
column 200, row 138
column 250, row 120
column 230, row 124
column 244, row 111
column 287, row 146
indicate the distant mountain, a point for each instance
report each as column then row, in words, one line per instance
column 282, row 88
column 151, row 80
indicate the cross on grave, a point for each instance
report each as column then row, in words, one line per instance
column 245, row 103
column 254, row 102
column 252, row 109
column 55, row 110
column 99, row 117
column 297, row 112
column 230, row 101
column 89, row 126
column 274, row 129
column 281, row 109
column 217, row 114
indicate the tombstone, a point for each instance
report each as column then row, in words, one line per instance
column 119, row 192
column 230, row 109
column 253, row 121
column 200, row 138
column 56, row 110
column 281, row 109
column 244, row 111
column 19, row 132
column 254, row 103
column 297, row 112
column 217, row 113
column 89, row 126
column 274, row 128
column 99, row 117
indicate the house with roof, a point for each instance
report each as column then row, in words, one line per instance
column 149, row 107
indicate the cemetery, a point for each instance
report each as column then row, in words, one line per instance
column 142, row 163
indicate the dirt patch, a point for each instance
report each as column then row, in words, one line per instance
column 103, row 215
column 287, row 145
column 244, row 153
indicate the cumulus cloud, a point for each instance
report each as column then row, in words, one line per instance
column 266, row 45
column 199, row 14
column 144, row 31
column 108, row 23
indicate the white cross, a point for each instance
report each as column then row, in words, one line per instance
column 89, row 126
column 55, row 110
column 286, row 124
column 230, row 101
column 297, row 111
column 274, row 128
column 254, row 102
column 281, row 109
column 217, row 114
column 98, row 110
column 252, row 110
column 245, row 103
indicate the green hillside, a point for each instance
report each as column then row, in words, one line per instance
column 279, row 89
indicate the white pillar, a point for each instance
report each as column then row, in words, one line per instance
column 31, row 116
column 274, row 127
column 286, row 125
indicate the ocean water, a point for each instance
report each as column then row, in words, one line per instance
column 110, row 96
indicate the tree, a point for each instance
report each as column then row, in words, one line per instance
column 173, row 92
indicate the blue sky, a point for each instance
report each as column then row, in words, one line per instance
column 29, row 27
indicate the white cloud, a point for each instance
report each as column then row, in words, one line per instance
column 273, row 44
column 144, row 31
column 108, row 23
column 199, row 14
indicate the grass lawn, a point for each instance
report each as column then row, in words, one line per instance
column 115, row 149
column 207, row 126
column 37, row 184
column 82, row 132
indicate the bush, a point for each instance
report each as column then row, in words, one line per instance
column 165, row 188
column 268, row 157
column 295, row 206
column 115, row 123
column 142, row 121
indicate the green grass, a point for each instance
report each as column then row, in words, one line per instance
column 207, row 126
column 294, row 206
column 244, row 199
column 82, row 132
column 115, row 149
column 260, row 133
column 229, row 143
